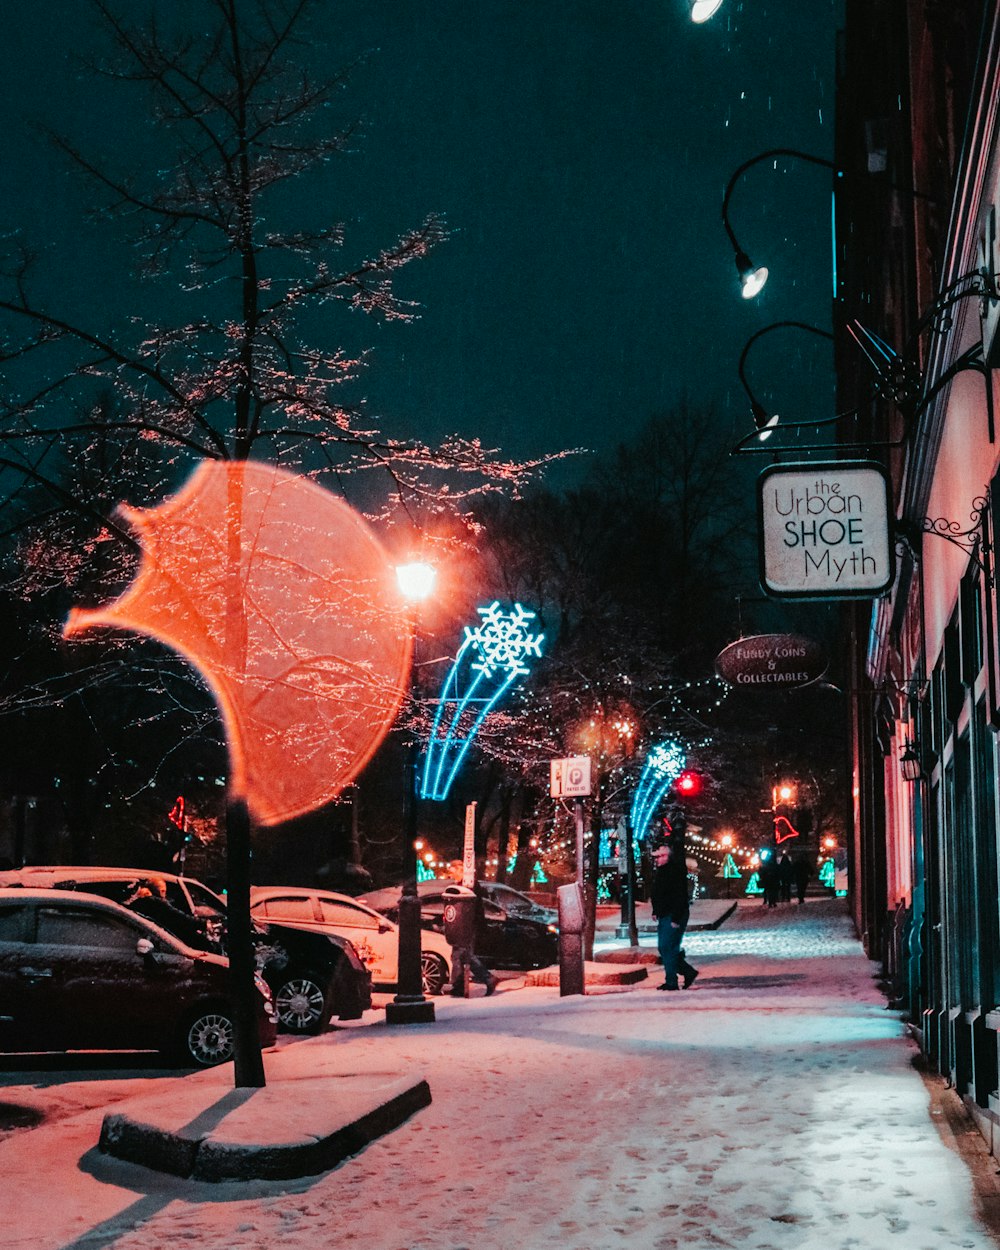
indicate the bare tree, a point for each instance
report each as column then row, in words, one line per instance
column 227, row 354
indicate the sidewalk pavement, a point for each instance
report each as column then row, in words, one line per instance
column 207, row 1130
column 706, row 913
column 774, row 1106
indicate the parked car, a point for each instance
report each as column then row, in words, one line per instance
column 313, row 976
column 517, row 903
column 78, row 972
column 374, row 937
column 508, row 940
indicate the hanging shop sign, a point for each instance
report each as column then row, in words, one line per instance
column 825, row 530
column 771, row 661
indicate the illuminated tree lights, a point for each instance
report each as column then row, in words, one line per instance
column 489, row 661
column 664, row 763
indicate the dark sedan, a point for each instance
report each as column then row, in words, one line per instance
column 313, row 976
column 507, row 940
column 78, row 972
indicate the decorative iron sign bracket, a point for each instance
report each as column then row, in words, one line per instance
column 972, row 540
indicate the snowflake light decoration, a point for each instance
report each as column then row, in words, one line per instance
column 492, row 656
column 665, row 759
column 664, row 764
column 502, row 640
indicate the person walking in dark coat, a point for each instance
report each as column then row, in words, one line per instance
column 769, row 880
column 786, row 877
column 671, row 909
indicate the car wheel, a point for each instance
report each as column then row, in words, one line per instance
column 210, row 1037
column 433, row 973
column 300, row 1002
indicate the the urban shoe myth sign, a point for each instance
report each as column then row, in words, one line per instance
column 825, row 530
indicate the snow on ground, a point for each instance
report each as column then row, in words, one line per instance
column 772, row 1106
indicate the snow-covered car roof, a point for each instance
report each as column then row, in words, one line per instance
column 47, row 896
column 43, row 874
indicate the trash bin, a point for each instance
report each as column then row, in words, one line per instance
column 460, row 932
column 569, row 899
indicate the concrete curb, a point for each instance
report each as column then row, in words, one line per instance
column 594, row 973
column 628, row 955
column 222, row 1142
column 712, row 922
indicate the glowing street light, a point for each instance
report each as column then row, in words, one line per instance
column 753, row 278
column 702, row 10
column 416, row 583
column 416, row 580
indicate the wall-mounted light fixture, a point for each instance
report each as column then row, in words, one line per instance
column 764, row 421
column 753, row 277
column 702, row 10
column 897, row 376
column 910, row 764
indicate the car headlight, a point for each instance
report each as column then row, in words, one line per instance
column 553, row 928
column 262, row 986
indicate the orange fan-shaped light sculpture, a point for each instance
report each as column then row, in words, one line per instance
column 283, row 599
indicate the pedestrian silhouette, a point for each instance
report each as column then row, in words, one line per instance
column 671, row 909
column 769, row 877
column 786, row 877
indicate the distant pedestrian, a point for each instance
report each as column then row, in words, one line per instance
column 769, row 877
column 671, row 909
column 786, row 877
column 802, row 873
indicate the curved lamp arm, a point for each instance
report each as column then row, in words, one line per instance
column 762, row 419
column 752, row 278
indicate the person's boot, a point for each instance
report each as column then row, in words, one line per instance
column 689, row 974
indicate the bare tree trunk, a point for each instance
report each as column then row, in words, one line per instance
column 503, row 836
column 593, row 870
column 248, row 1061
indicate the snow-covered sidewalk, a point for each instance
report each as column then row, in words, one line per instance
column 773, row 1105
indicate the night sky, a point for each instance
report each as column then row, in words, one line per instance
column 579, row 150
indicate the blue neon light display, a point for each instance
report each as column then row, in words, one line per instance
column 664, row 764
column 491, row 658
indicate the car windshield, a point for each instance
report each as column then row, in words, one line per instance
column 513, row 901
column 204, row 902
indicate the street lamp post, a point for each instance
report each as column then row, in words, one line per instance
column 416, row 581
column 628, row 927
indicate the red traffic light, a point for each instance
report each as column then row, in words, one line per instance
column 688, row 784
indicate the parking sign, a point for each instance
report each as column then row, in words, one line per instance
column 570, row 778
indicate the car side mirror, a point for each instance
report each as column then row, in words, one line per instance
column 383, row 927
column 144, row 947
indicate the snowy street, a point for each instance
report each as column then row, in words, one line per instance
column 773, row 1105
